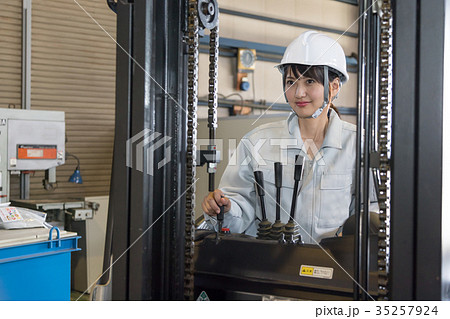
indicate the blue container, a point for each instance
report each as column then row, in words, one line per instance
column 37, row 271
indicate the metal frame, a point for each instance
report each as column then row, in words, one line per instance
column 26, row 54
column 264, row 52
column 446, row 169
column 286, row 22
column 226, row 103
column 153, row 267
column 150, row 254
column 26, row 81
column 415, row 244
column 368, row 80
column 352, row 2
column 117, row 241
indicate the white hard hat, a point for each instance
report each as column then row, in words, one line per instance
column 314, row 48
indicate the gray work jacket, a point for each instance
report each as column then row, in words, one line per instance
column 326, row 193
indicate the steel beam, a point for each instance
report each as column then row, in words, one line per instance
column 429, row 149
column 146, row 196
column 286, row 22
column 264, row 52
column 416, row 161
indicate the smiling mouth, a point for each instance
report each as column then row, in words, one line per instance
column 301, row 104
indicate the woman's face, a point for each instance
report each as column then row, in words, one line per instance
column 305, row 95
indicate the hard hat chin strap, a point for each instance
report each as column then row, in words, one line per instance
column 325, row 94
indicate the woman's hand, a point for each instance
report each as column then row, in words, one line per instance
column 212, row 202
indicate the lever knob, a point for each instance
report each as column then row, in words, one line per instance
column 298, row 167
column 278, row 174
column 259, row 182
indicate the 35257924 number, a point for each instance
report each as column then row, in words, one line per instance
column 406, row 310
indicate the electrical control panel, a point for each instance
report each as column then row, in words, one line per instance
column 30, row 140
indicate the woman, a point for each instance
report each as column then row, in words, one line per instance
column 313, row 69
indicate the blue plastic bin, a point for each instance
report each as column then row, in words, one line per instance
column 38, row 269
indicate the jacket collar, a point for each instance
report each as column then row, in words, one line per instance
column 333, row 137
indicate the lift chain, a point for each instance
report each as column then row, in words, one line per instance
column 210, row 9
column 384, row 147
column 191, row 148
column 213, row 72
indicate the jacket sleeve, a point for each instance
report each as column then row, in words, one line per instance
column 237, row 184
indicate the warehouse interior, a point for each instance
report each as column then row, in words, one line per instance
column 106, row 78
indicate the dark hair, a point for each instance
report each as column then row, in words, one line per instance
column 313, row 72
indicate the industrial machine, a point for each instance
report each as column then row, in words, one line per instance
column 33, row 140
column 227, row 264
column 149, row 214
column 30, row 141
column 240, row 267
column 277, row 265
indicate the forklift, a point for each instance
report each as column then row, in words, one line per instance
column 154, row 249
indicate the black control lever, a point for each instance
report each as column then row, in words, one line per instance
column 297, row 176
column 277, row 227
column 220, row 217
column 264, row 225
column 278, row 168
column 291, row 231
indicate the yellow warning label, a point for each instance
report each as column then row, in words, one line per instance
column 316, row 271
column 307, row 271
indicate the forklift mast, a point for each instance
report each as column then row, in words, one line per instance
column 146, row 234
